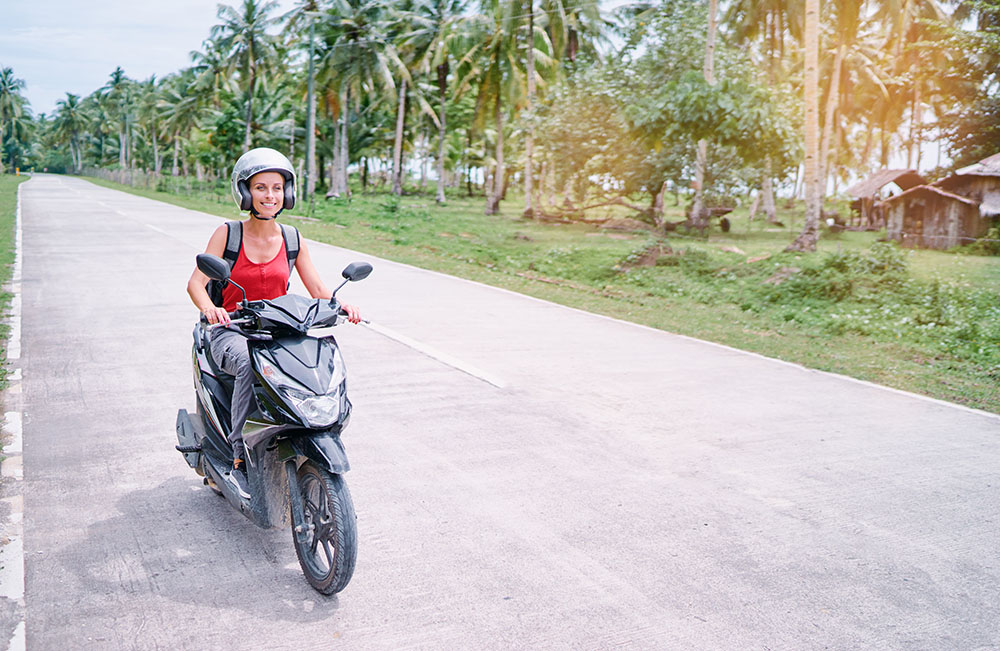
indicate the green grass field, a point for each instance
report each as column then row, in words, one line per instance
column 922, row 321
column 8, row 214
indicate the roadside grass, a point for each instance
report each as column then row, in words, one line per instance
column 8, row 220
column 921, row 321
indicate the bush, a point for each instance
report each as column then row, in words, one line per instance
column 988, row 244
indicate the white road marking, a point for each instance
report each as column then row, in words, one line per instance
column 440, row 356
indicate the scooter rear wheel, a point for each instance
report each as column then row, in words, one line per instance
column 327, row 549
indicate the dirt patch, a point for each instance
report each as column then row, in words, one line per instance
column 648, row 256
column 626, row 224
column 613, row 236
column 782, row 274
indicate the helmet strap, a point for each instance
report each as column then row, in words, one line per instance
column 256, row 215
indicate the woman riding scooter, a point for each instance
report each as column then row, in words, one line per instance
column 263, row 183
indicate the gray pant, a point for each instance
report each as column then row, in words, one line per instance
column 229, row 350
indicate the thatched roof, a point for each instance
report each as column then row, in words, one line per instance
column 989, row 166
column 905, row 179
column 933, row 190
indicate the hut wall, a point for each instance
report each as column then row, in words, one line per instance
column 894, row 220
column 931, row 221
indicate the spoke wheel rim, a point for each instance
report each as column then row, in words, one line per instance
column 319, row 551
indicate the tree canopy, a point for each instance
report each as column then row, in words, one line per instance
column 619, row 99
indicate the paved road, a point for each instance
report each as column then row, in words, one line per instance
column 525, row 475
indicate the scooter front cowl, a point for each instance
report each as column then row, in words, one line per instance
column 325, row 449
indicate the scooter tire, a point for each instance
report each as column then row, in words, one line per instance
column 328, row 552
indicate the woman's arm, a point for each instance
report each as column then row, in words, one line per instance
column 196, row 284
column 314, row 283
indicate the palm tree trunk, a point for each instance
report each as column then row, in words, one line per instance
column 246, row 133
column 806, row 241
column 344, row 146
column 767, row 196
column 884, row 137
column 131, row 144
column 529, row 143
column 397, row 143
column 913, row 155
column 424, row 142
column 177, row 148
column 442, row 71
column 157, row 163
column 334, row 170
column 121, row 148
column 698, row 216
column 832, row 100
column 311, row 147
column 494, row 196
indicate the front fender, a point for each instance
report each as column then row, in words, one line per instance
column 326, row 450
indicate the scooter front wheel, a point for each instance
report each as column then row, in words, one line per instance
column 328, row 540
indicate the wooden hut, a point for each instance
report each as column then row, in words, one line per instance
column 931, row 218
column 869, row 193
column 979, row 182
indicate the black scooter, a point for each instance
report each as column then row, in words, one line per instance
column 295, row 458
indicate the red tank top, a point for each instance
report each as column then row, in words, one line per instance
column 265, row 280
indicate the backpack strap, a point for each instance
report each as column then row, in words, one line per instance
column 291, row 237
column 234, row 242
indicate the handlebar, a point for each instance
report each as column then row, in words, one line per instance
column 232, row 321
column 235, row 321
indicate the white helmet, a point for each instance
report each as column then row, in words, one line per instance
column 255, row 161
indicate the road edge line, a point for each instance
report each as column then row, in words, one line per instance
column 12, row 467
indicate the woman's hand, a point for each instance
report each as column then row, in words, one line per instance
column 216, row 315
column 353, row 313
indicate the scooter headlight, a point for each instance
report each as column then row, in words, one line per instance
column 316, row 410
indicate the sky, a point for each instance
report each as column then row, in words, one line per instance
column 72, row 46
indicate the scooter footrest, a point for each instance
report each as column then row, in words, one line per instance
column 188, row 448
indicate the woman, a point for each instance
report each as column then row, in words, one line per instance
column 263, row 183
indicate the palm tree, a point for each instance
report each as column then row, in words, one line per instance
column 435, row 33
column 149, row 110
column 494, row 64
column 903, row 26
column 118, row 93
column 181, row 110
column 855, row 61
column 212, row 70
column 806, row 241
column 574, row 27
column 69, row 123
column 100, row 120
column 251, row 50
column 307, row 11
column 12, row 104
column 771, row 24
column 359, row 61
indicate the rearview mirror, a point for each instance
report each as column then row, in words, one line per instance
column 357, row 271
column 213, row 266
